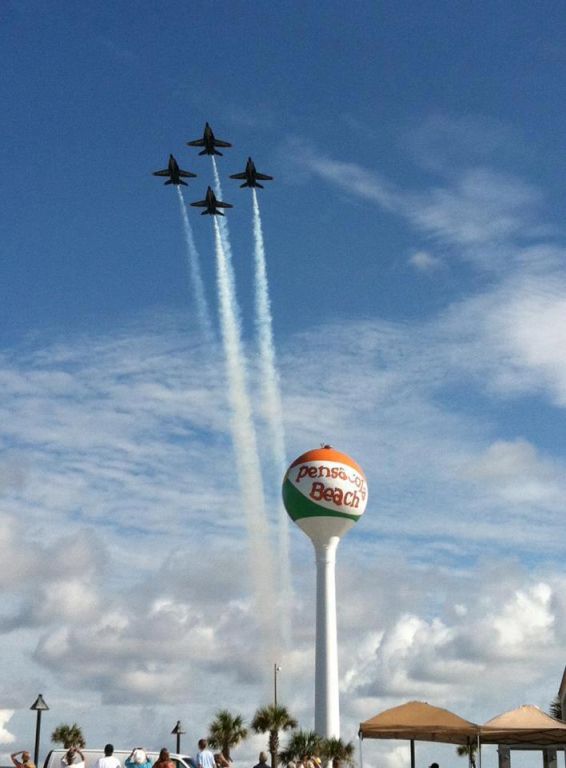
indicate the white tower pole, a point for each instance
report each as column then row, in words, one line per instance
column 326, row 699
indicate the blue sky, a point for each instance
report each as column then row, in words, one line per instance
column 416, row 260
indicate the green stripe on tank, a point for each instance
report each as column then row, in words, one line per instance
column 298, row 505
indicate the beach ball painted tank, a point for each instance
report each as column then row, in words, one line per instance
column 325, row 492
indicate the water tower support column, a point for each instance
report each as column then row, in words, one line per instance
column 326, row 698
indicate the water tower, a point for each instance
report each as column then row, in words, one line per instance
column 325, row 493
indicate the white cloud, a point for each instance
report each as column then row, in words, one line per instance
column 526, row 622
column 517, row 473
column 513, row 334
column 423, row 261
column 5, row 736
column 481, row 214
column 481, row 207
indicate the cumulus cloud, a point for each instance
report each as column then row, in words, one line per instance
column 5, row 736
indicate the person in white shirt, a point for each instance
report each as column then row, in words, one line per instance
column 204, row 758
column 108, row 761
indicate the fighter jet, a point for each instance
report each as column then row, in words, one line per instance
column 211, row 204
column 209, row 142
column 251, row 176
column 175, row 173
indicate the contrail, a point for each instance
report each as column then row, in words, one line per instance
column 273, row 408
column 223, row 223
column 245, row 445
column 193, row 261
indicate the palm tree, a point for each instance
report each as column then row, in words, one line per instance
column 469, row 751
column 226, row 731
column 335, row 751
column 273, row 719
column 556, row 708
column 303, row 746
column 69, row 736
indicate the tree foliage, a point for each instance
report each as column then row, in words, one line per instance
column 226, row 731
column 69, row 736
column 273, row 719
column 302, row 746
column 338, row 752
column 469, row 751
column 555, row 709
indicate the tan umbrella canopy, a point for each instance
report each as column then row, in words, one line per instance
column 419, row 721
column 524, row 725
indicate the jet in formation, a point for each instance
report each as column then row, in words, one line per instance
column 211, row 204
column 251, row 176
column 176, row 174
column 209, row 142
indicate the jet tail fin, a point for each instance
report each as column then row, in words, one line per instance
column 245, row 184
column 259, row 185
column 167, row 182
column 184, row 183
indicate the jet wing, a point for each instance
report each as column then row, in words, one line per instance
column 196, row 143
column 263, row 177
column 187, row 174
column 218, row 143
column 238, row 176
column 161, row 173
column 219, row 204
column 200, row 204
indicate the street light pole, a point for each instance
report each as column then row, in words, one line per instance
column 39, row 706
column 276, row 669
column 177, row 731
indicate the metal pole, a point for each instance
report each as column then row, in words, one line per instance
column 275, row 685
column 37, row 734
column 412, row 753
column 360, row 739
column 178, row 750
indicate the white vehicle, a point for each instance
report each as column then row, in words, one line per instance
column 53, row 759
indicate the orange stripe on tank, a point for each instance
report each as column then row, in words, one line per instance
column 328, row 454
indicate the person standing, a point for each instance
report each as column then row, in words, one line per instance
column 262, row 760
column 25, row 762
column 108, row 761
column 164, row 760
column 138, row 759
column 204, row 758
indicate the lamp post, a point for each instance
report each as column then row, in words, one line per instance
column 177, row 731
column 276, row 669
column 39, row 706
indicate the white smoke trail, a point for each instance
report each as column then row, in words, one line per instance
column 246, row 452
column 273, row 407
column 224, row 229
column 193, row 262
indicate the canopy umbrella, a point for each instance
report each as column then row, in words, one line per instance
column 525, row 725
column 418, row 721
